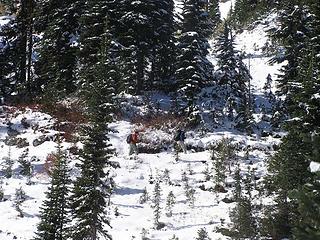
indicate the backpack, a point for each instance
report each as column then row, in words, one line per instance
column 129, row 139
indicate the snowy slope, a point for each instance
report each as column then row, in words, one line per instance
column 133, row 176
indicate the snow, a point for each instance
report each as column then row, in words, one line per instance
column 315, row 167
column 133, row 176
column 225, row 8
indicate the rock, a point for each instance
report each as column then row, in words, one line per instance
column 40, row 140
column 227, row 200
column 24, row 123
column 12, row 132
column 219, row 188
column 19, row 142
column 22, row 142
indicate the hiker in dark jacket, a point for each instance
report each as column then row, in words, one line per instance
column 179, row 138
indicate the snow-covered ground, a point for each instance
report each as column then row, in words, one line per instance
column 133, row 176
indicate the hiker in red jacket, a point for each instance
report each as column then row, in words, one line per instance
column 132, row 139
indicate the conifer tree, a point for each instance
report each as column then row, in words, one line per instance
column 203, row 234
column 243, row 221
column 156, row 204
column 214, row 13
column 171, row 200
column 193, row 68
column 19, row 198
column 234, row 80
column 55, row 210
column 95, row 185
column 56, row 66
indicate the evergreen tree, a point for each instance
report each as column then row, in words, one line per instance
column 19, row 198
column 54, row 214
column 156, row 204
column 56, row 66
column 309, row 204
column 203, row 235
column 162, row 55
column 95, row 185
column 193, row 68
column 214, row 13
column 243, row 221
column 234, row 81
column 171, row 200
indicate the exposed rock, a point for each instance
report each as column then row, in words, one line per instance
column 19, row 142
column 219, row 188
column 12, row 132
column 40, row 140
column 227, row 200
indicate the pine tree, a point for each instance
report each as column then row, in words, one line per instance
column 234, row 81
column 95, row 185
column 56, row 66
column 92, row 187
column 55, row 210
column 144, row 197
column 243, row 221
column 20, row 197
column 171, row 200
column 25, row 165
column 309, row 200
column 7, row 168
column 1, row 191
column 214, row 13
column 156, row 204
column 193, row 68
column 163, row 52
column 203, row 234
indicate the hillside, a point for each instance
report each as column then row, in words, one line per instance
column 128, row 216
column 76, row 77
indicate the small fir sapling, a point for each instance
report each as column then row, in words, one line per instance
column 248, row 183
column 151, row 179
column 116, row 211
column 144, row 197
column 190, row 194
column 185, row 181
column 207, row 173
column 174, row 237
column 1, row 191
column 190, row 171
column 144, row 234
column 156, row 204
column 20, row 197
column 171, row 201
column 203, row 235
column 166, row 177
column 25, row 165
column 237, row 186
column 8, row 164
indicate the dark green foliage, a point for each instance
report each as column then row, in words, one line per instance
column 234, row 81
column 25, row 165
column 93, row 186
column 243, row 220
column 308, row 206
column 56, row 66
column 19, row 198
column 55, row 210
column 156, row 204
column 193, row 68
column 171, row 200
column 203, row 235
column 214, row 13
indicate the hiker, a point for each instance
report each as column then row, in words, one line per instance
column 132, row 139
column 179, row 138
